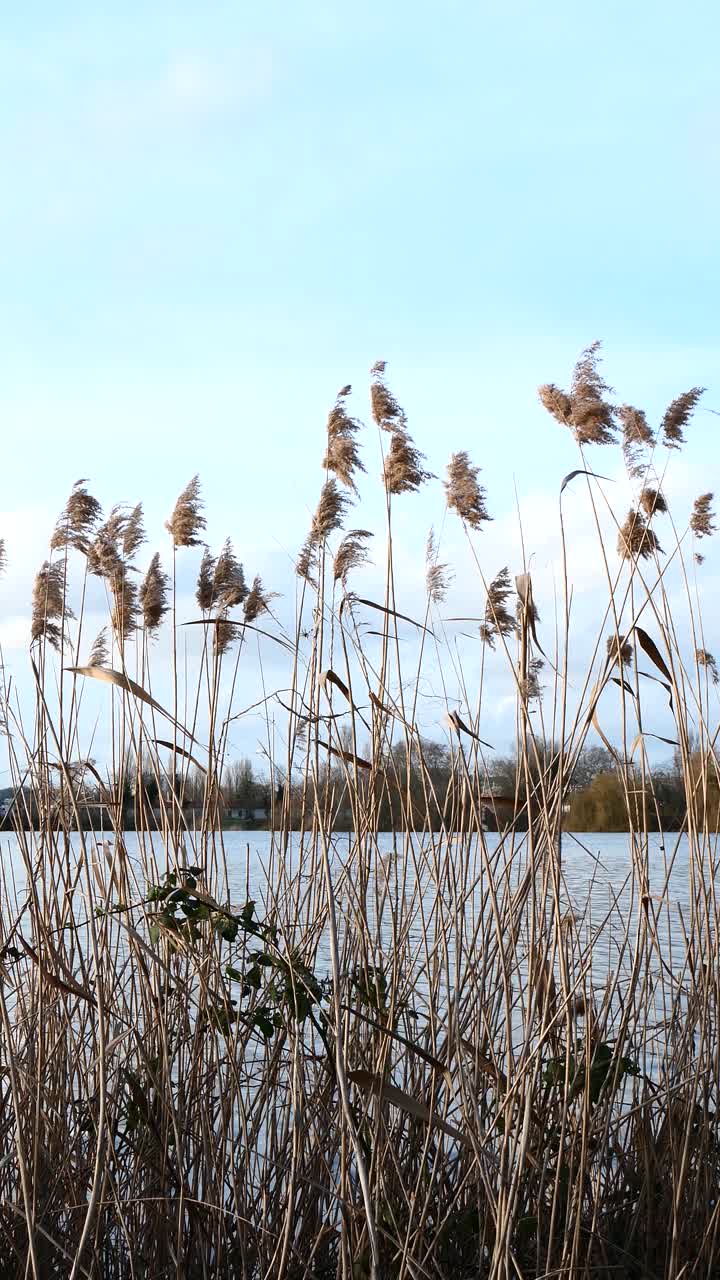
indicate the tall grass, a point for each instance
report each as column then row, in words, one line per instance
column 410, row 1056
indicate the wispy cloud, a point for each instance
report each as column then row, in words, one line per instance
column 188, row 90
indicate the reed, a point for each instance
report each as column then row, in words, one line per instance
column 386, row 1056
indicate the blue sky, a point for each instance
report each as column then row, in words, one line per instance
column 215, row 215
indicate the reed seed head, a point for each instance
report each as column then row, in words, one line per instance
column 635, row 427
column 677, row 416
column 100, row 654
column 124, row 603
column 386, row 411
column 437, row 576
column 530, row 688
column 464, row 494
column 229, row 586
column 187, row 520
column 226, row 633
column 557, row 402
column 619, row 651
column 154, row 595
column 403, row 471
column 584, row 408
column 498, row 619
column 78, row 520
column 330, row 511
column 637, row 439
column 351, row 554
column 206, row 578
column 103, row 553
column 49, row 608
column 257, row 601
column 306, row 563
column 636, row 540
column 703, row 516
column 707, row 661
column 342, row 455
column 652, row 502
column 133, row 534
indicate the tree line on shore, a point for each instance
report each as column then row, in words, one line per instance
column 425, row 780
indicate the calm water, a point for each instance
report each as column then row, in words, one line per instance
column 426, row 911
column 601, row 886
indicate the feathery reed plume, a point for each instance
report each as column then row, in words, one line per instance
column 105, row 560
column 635, row 426
column 619, row 651
column 124, row 604
column 583, row 408
column 258, row 600
column 437, row 576
column 707, row 660
column 699, row 557
column 351, row 554
column 386, row 411
column 652, row 501
column 342, row 455
column 3, row 556
column 187, row 520
column 557, row 402
column 677, row 416
column 103, row 553
column 702, row 518
column 593, row 419
column 403, row 471
column 229, row 586
column 49, row 607
column 133, row 534
column 530, row 688
column 637, row 437
column 153, row 595
column 636, row 540
column 498, row 619
column 79, row 518
column 206, row 578
column 330, row 511
column 306, row 563
column 226, row 633
column 464, row 494
column 99, row 654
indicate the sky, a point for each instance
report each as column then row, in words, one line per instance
column 213, row 216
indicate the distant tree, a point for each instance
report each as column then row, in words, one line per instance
column 606, row 805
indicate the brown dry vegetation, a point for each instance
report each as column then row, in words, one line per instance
column 401, row 1066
